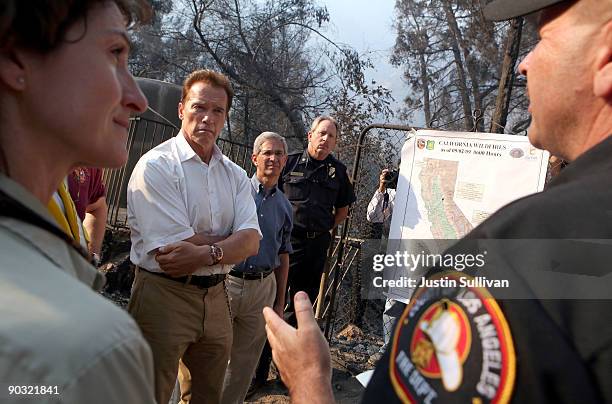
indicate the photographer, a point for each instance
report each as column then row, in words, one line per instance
column 536, row 350
column 380, row 207
column 379, row 214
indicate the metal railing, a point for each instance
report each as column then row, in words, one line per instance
column 379, row 146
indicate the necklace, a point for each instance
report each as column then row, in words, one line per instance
column 80, row 176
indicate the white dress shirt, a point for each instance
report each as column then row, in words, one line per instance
column 173, row 195
column 377, row 212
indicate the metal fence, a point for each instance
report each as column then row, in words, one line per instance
column 143, row 135
column 379, row 147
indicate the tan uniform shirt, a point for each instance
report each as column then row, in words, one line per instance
column 55, row 330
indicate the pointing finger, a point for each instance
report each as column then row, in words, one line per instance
column 276, row 325
column 272, row 339
column 303, row 311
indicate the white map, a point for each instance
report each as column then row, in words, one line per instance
column 451, row 181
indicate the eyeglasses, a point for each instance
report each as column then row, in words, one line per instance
column 270, row 153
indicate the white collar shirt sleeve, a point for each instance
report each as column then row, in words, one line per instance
column 173, row 195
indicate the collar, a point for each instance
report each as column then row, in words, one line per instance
column 588, row 163
column 48, row 244
column 185, row 152
column 258, row 186
column 19, row 193
column 306, row 158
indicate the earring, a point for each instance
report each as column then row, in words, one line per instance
column 20, row 80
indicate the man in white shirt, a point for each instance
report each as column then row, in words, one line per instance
column 192, row 217
column 380, row 210
column 380, row 207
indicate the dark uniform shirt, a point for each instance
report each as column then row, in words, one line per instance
column 315, row 188
column 274, row 214
column 522, row 350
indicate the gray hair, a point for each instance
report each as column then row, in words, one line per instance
column 265, row 136
column 322, row 118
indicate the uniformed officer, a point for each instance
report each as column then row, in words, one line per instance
column 318, row 187
column 320, row 192
column 463, row 343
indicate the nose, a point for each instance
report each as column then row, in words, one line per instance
column 524, row 65
column 133, row 98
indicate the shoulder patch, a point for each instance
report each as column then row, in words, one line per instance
column 452, row 344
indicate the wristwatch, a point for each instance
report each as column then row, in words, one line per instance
column 216, row 253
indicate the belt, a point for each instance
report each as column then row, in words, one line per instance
column 202, row 282
column 251, row 276
column 307, row 234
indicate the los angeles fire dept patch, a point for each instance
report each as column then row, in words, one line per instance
column 452, row 344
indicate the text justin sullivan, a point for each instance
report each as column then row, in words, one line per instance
column 445, row 282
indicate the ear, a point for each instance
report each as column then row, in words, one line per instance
column 12, row 70
column 309, row 136
column 254, row 159
column 602, row 81
column 180, row 110
column 283, row 161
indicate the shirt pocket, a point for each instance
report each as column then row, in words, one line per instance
column 296, row 188
column 331, row 189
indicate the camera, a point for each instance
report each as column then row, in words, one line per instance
column 390, row 179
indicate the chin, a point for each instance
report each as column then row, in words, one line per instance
column 114, row 158
column 321, row 155
column 119, row 162
column 534, row 138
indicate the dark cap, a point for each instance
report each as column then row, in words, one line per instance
column 499, row 10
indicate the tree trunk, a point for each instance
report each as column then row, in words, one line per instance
column 506, row 79
column 245, row 124
column 425, row 84
column 229, row 129
column 276, row 97
column 463, row 87
column 477, row 99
